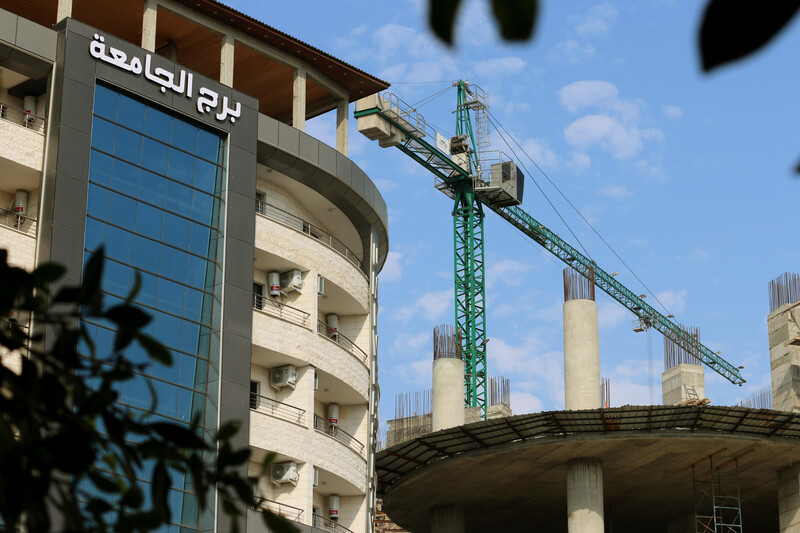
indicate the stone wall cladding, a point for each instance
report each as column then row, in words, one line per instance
column 20, row 245
column 21, row 145
column 296, row 341
column 307, row 446
column 305, row 250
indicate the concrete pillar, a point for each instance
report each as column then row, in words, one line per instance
column 585, row 495
column 63, row 10
column 342, row 121
column 448, row 393
column 581, row 355
column 682, row 382
column 447, row 519
column 226, row 61
column 299, row 100
column 789, row 499
column 783, row 326
column 149, row 22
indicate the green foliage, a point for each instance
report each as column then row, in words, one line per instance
column 71, row 459
column 516, row 18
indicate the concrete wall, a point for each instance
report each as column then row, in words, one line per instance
column 682, row 382
column 782, row 325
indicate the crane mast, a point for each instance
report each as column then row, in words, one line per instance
column 461, row 175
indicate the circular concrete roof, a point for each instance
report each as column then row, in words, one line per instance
column 509, row 474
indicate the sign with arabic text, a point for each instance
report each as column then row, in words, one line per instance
column 208, row 101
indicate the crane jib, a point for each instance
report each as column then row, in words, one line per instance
column 453, row 176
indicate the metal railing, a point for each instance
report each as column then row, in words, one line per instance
column 287, row 511
column 341, row 340
column 276, row 409
column 23, row 224
column 284, row 311
column 320, row 522
column 323, row 426
column 22, row 118
column 279, row 215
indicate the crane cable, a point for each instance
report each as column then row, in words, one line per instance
column 500, row 126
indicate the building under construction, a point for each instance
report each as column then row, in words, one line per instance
column 684, row 466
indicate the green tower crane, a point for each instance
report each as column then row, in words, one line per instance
column 458, row 169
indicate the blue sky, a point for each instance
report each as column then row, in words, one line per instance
column 686, row 175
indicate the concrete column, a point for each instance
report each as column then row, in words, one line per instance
column 789, row 499
column 149, row 22
column 226, row 61
column 64, row 10
column 585, row 495
column 682, row 382
column 448, row 393
column 447, row 519
column 299, row 100
column 783, row 325
column 581, row 355
column 342, row 121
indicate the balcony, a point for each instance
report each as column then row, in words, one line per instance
column 280, row 310
column 344, row 342
column 18, row 236
column 22, row 136
column 276, row 409
column 288, row 219
column 287, row 511
column 326, row 524
column 322, row 425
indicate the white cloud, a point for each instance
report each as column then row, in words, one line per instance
column 623, row 142
column 617, row 192
column 406, row 341
column 675, row 301
column 537, row 372
column 698, row 255
column 598, row 20
column 539, row 150
column 509, row 271
column 587, row 93
column 524, row 402
column 431, row 305
column 571, row 52
column 499, row 66
column 417, row 373
column 393, row 268
column 672, row 111
column 610, row 314
column 579, row 161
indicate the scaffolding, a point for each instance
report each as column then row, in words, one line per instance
column 717, row 500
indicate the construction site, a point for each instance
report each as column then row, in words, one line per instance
column 455, row 458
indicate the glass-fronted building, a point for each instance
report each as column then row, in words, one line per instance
column 171, row 134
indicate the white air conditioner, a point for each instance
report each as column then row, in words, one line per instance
column 291, row 281
column 283, row 376
column 316, row 476
column 285, row 473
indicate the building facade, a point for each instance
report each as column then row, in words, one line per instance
column 172, row 134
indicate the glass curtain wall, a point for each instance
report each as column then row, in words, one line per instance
column 154, row 203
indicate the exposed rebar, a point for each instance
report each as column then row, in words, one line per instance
column 674, row 354
column 577, row 286
column 408, row 404
column 785, row 289
column 605, row 393
column 760, row 399
column 446, row 342
column 500, row 391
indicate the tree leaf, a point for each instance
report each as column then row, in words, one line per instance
column 228, row 430
column 732, row 29
column 46, row 273
column 178, row 435
column 442, row 18
column 517, row 18
column 157, row 351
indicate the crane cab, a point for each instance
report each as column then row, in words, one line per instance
column 505, row 185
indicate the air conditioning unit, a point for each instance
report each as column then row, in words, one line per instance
column 291, row 281
column 283, row 376
column 316, row 476
column 285, row 473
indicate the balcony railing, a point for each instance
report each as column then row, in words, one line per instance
column 279, row 215
column 323, row 426
column 287, row 511
column 284, row 311
column 276, row 409
column 344, row 342
column 320, row 522
column 23, row 224
column 22, row 118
